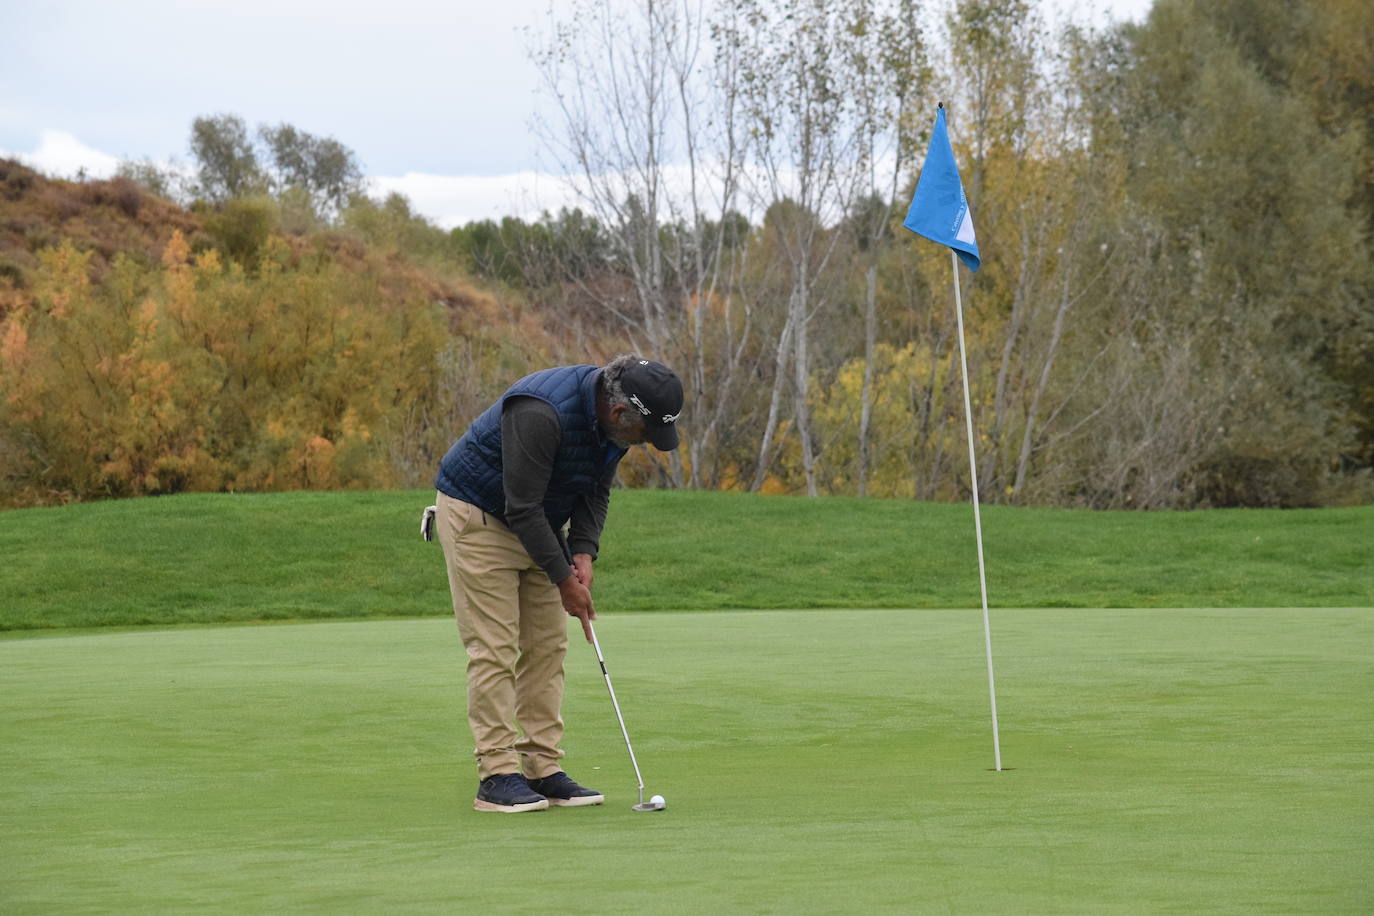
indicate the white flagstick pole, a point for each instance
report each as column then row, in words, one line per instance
column 977, row 519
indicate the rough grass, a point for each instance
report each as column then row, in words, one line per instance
column 199, row 558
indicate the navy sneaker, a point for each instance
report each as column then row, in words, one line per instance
column 560, row 789
column 508, row 792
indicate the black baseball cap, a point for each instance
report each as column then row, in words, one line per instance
column 656, row 392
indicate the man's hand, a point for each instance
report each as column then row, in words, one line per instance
column 577, row 601
column 582, row 568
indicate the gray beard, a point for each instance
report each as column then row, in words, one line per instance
column 614, row 435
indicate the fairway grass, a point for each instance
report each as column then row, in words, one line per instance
column 813, row 762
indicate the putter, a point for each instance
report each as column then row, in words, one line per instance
column 656, row 803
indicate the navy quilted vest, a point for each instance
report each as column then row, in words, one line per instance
column 471, row 471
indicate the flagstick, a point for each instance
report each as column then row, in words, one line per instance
column 977, row 519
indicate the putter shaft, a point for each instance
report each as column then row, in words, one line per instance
column 616, row 704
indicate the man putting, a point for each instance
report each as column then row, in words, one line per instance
column 537, row 462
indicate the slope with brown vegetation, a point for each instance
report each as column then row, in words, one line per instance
column 146, row 348
column 103, row 217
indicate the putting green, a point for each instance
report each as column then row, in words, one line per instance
column 813, row 762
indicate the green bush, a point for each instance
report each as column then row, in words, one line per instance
column 242, row 226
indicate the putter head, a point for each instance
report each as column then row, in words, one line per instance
column 654, row 804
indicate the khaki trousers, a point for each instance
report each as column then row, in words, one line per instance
column 515, row 631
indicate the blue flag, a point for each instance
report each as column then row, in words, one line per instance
column 939, row 210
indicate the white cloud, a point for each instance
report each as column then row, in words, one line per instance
column 452, row 200
column 61, row 155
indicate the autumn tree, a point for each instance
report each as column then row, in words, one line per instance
column 1260, row 256
column 226, row 160
column 281, row 160
column 827, row 89
column 647, row 129
column 321, row 168
column 198, row 374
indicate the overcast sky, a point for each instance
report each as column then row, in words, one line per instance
column 435, row 98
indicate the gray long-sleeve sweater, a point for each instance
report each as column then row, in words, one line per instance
column 530, row 435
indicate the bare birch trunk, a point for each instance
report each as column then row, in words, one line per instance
column 771, row 426
column 866, row 395
column 801, row 365
column 1028, row 434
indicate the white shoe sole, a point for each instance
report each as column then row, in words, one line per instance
column 479, row 805
column 577, row 802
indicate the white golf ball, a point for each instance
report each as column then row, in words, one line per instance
column 658, row 800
